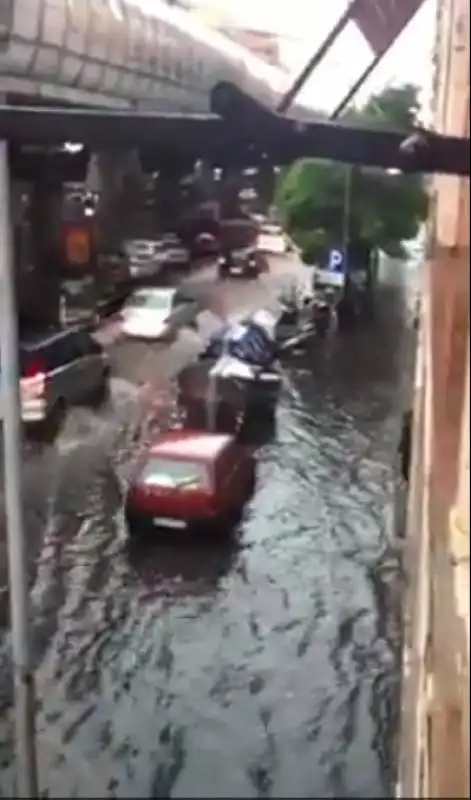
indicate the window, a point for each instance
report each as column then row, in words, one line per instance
column 155, row 301
column 174, row 474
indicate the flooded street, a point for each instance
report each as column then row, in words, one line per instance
column 265, row 668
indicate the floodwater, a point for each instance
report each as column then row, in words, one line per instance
column 265, row 668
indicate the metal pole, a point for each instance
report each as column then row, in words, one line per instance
column 288, row 98
column 213, row 397
column 26, row 768
column 347, row 208
column 344, row 103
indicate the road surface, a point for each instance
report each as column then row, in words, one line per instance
column 263, row 670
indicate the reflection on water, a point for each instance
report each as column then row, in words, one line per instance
column 263, row 667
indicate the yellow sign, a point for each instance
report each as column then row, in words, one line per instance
column 77, row 246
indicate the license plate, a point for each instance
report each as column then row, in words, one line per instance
column 236, row 270
column 165, row 522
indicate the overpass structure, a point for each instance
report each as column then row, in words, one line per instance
column 142, row 83
column 122, row 54
column 130, row 55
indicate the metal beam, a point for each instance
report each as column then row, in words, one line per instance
column 345, row 102
column 288, row 99
column 280, row 139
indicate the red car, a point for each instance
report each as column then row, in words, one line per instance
column 189, row 479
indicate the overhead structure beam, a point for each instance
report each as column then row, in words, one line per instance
column 353, row 91
column 288, row 99
column 380, row 22
column 279, row 139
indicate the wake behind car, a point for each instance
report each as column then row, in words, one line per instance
column 59, row 369
column 243, row 261
column 189, row 479
column 176, row 254
column 151, row 313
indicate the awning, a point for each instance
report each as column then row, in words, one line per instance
column 382, row 21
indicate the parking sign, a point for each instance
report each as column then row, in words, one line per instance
column 334, row 273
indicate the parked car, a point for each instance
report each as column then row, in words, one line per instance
column 271, row 239
column 146, row 257
column 190, row 479
column 209, row 403
column 59, row 369
column 151, row 313
column 175, row 252
column 241, row 370
column 205, row 244
column 243, row 261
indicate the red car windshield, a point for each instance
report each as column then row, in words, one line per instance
column 174, row 474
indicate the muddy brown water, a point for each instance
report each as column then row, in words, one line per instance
column 266, row 667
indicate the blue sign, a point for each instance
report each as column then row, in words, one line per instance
column 334, row 273
column 337, row 261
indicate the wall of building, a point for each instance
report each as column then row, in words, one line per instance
column 451, row 116
column 434, row 758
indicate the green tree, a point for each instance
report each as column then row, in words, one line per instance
column 322, row 200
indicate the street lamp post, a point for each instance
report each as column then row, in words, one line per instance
column 26, row 769
column 347, row 208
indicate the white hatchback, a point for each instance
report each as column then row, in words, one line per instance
column 157, row 313
column 174, row 250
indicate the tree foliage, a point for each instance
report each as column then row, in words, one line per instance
column 319, row 200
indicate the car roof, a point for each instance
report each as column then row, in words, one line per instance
column 154, row 290
column 36, row 339
column 199, row 445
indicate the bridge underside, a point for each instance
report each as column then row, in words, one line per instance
column 261, row 137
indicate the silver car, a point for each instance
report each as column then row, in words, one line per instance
column 59, row 369
column 152, row 313
column 175, row 251
column 146, row 257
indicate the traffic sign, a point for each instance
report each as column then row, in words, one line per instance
column 335, row 270
column 337, row 261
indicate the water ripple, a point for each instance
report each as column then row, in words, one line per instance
column 263, row 667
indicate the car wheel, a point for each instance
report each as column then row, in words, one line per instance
column 50, row 427
column 101, row 394
column 133, row 524
column 137, row 525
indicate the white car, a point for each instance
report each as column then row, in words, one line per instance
column 175, row 252
column 157, row 313
column 146, row 257
column 272, row 239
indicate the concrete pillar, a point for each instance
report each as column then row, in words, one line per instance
column 117, row 177
column 265, row 185
column 230, row 186
column 169, row 197
column 204, row 183
column 44, row 217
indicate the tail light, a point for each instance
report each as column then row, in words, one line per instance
column 35, row 369
column 33, row 379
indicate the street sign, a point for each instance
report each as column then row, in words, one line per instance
column 334, row 273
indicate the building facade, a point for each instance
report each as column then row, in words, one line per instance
column 434, row 758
